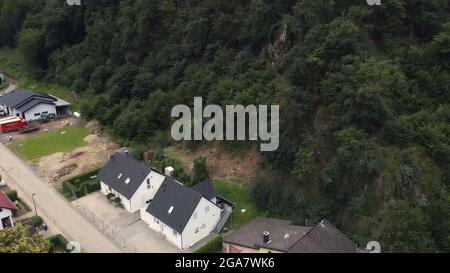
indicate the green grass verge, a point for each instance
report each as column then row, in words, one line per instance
column 213, row 246
column 238, row 194
column 42, row 144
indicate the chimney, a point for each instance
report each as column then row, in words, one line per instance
column 266, row 237
column 168, row 171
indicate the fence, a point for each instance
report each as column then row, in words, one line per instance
column 112, row 232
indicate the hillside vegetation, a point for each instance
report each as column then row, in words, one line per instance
column 363, row 90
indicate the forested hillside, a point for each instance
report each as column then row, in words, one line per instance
column 364, row 94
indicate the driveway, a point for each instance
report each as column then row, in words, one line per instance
column 53, row 206
column 126, row 228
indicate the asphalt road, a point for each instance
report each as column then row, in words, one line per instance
column 54, row 206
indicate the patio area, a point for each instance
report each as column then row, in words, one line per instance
column 125, row 228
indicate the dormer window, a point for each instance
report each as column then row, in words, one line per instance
column 127, row 180
column 170, row 210
column 120, row 176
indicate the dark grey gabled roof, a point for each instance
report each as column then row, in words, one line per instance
column 183, row 200
column 324, row 238
column 19, row 97
column 206, row 189
column 121, row 167
column 32, row 103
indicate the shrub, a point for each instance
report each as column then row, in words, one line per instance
column 110, row 196
column 36, row 221
column 117, row 200
column 91, row 186
column 57, row 241
column 12, row 195
column 200, row 171
column 213, row 246
column 70, row 189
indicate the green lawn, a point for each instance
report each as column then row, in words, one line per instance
column 238, row 194
column 36, row 146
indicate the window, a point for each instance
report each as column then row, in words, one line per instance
column 204, row 226
column 44, row 113
column 197, row 230
column 195, row 215
column 120, row 176
column 174, row 233
column 207, row 209
column 148, row 183
column 127, row 180
column 37, row 114
column 170, row 210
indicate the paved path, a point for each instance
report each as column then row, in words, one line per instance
column 50, row 203
column 11, row 87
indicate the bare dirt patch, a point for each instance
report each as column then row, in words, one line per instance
column 222, row 164
column 58, row 167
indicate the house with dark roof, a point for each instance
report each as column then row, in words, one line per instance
column 6, row 211
column 30, row 105
column 134, row 182
column 324, row 238
column 263, row 235
column 183, row 215
column 178, row 213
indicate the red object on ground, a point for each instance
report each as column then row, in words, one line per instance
column 11, row 124
column 5, row 203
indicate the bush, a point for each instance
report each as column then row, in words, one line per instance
column 12, row 195
column 117, row 200
column 213, row 246
column 57, row 241
column 36, row 221
column 81, row 185
column 200, row 171
column 110, row 196
column 70, row 189
column 91, row 186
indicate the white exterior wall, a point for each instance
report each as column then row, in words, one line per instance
column 104, row 188
column 161, row 228
column 188, row 237
column 210, row 219
column 29, row 115
column 142, row 195
column 3, row 214
column 125, row 202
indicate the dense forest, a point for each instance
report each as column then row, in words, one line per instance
column 364, row 94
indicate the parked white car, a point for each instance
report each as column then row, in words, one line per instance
column 2, row 183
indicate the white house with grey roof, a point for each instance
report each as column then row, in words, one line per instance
column 30, row 105
column 182, row 215
column 132, row 181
